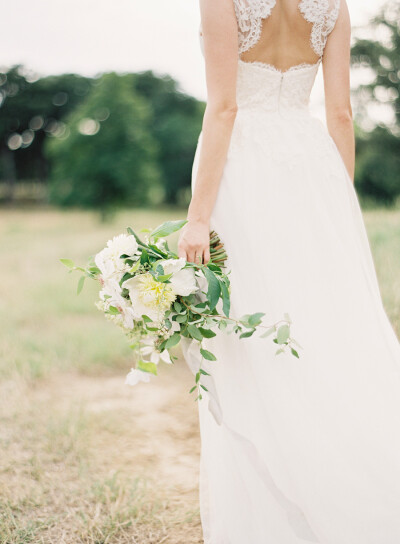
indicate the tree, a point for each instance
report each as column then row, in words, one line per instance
column 378, row 164
column 31, row 108
column 106, row 156
column 176, row 124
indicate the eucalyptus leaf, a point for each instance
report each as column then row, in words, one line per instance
column 147, row 367
column 177, row 306
column 172, row 340
column 226, row 301
column 207, row 355
column 247, row 334
column 167, row 228
column 214, row 288
column 144, row 257
column 268, row 332
column 68, row 263
column 81, row 283
column 207, row 333
column 283, row 334
column 195, row 332
column 182, row 318
column 255, row 319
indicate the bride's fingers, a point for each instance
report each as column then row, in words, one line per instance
column 206, row 255
column 190, row 256
column 199, row 258
column 182, row 253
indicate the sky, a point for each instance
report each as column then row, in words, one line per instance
column 94, row 36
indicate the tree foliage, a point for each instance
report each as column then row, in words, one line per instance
column 106, row 155
column 31, row 108
column 378, row 164
column 176, row 124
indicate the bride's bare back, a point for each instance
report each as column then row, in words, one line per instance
column 287, row 32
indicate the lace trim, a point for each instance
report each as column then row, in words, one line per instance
column 249, row 15
column 323, row 17
column 322, row 14
column 265, row 65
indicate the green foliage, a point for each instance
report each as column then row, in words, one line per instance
column 107, row 156
column 31, row 109
column 177, row 120
column 152, row 126
column 378, row 150
column 378, row 166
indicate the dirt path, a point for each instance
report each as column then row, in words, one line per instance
column 102, row 462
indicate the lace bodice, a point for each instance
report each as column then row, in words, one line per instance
column 322, row 14
column 262, row 87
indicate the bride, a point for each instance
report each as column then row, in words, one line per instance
column 305, row 450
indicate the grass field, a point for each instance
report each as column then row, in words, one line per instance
column 84, row 458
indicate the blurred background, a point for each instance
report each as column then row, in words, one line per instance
column 100, row 111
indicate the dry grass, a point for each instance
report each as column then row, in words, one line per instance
column 83, row 458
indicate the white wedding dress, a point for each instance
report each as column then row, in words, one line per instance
column 306, row 450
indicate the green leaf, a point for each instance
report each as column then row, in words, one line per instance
column 94, row 270
column 214, row 267
column 222, row 325
column 113, row 310
column 268, row 332
column 177, row 306
column 133, row 233
column 207, row 333
column 226, row 301
column 194, row 332
column 81, row 283
column 202, row 371
column 68, row 263
column 203, row 387
column 255, row 319
column 135, row 267
column 207, row 355
column 193, row 389
column 294, row 352
column 283, row 334
column 146, row 318
column 144, row 257
column 198, row 377
column 163, row 278
column 167, row 228
column 214, row 288
column 172, row 340
column 247, row 334
column 182, row 318
column 148, row 367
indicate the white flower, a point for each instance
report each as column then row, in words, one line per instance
column 182, row 281
column 109, row 261
column 124, row 244
column 135, row 376
column 149, row 297
column 155, row 355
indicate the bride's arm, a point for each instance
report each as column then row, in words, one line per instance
column 220, row 36
column 336, row 67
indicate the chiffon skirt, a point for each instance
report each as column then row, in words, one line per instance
column 298, row 450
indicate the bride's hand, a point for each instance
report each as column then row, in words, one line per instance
column 194, row 242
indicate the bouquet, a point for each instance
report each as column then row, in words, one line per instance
column 157, row 297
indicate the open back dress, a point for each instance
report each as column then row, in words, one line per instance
column 296, row 450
